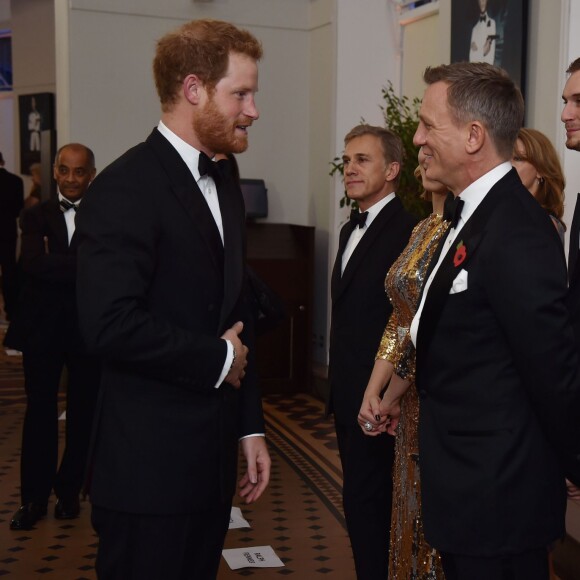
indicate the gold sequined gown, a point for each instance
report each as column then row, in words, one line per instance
column 411, row 558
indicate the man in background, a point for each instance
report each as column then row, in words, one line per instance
column 369, row 243
column 161, row 297
column 11, row 202
column 45, row 329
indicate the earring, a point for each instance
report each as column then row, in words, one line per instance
column 540, row 180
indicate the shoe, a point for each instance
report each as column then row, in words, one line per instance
column 27, row 515
column 67, row 509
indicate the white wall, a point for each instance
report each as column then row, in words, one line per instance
column 33, row 62
column 113, row 103
column 320, row 146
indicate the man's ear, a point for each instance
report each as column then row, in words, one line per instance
column 192, row 89
column 475, row 137
column 392, row 171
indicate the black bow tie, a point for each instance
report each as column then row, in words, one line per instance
column 208, row 167
column 482, row 17
column 65, row 205
column 357, row 218
column 452, row 211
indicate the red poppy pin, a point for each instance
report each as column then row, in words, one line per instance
column 460, row 254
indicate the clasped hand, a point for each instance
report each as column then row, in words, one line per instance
column 238, row 370
column 382, row 415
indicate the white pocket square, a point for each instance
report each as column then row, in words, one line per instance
column 460, row 283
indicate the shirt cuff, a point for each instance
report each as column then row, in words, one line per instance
column 252, row 435
column 227, row 364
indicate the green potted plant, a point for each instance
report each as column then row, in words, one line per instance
column 401, row 115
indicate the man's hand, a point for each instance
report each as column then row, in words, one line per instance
column 573, row 490
column 258, row 461
column 237, row 372
column 392, row 411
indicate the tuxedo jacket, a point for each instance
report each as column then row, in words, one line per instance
column 156, row 290
column 11, row 202
column 574, row 272
column 361, row 308
column 46, row 316
column 497, row 374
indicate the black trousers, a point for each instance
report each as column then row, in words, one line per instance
column 367, row 497
column 9, row 275
column 39, row 468
column 532, row 565
column 149, row 547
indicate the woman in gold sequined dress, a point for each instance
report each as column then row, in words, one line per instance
column 410, row 557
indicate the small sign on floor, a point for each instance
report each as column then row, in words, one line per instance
column 237, row 519
column 257, row 557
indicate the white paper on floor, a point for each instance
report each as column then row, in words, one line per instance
column 237, row 519
column 63, row 416
column 257, row 557
column 12, row 352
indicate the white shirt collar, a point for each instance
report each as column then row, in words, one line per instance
column 474, row 194
column 189, row 154
column 61, row 197
column 376, row 208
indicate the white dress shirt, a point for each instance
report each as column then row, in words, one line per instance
column 190, row 156
column 69, row 216
column 472, row 196
column 358, row 233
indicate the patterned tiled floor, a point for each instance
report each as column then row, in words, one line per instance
column 300, row 514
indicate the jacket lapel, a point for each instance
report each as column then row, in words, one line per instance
column 231, row 207
column 365, row 243
column 470, row 237
column 189, row 195
column 57, row 222
column 574, row 242
column 345, row 233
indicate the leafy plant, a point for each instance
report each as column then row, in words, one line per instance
column 401, row 115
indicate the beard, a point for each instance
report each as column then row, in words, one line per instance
column 218, row 133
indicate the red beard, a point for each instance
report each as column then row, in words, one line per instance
column 217, row 133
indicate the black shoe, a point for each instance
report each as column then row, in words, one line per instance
column 27, row 515
column 67, row 509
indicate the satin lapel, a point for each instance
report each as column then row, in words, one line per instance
column 336, row 271
column 57, row 223
column 471, row 235
column 189, row 195
column 574, row 241
column 233, row 220
column 366, row 242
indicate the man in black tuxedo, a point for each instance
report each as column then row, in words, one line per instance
column 571, row 119
column 161, row 297
column 360, row 310
column 497, row 370
column 45, row 329
column 11, row 202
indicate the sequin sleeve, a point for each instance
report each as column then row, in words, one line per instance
column 388, row 348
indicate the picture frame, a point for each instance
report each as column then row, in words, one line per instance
column 504, row 29
column 36, row 116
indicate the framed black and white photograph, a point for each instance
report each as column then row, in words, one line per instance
column 36, row 114
column 492, row 31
